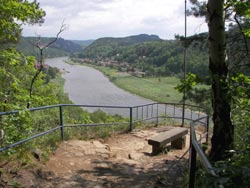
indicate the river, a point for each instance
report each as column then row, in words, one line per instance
column 88, row 86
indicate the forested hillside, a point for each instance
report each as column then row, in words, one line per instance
column 150, row 54
column 104, row 46
column 83, row 43
column 61, row 47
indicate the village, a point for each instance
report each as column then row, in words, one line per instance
column 107, row 62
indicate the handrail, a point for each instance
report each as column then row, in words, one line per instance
column 30, row 138
column 58, row 105
column 198, row 148
column 138, row 113
column 94, row 106
column 144, row 116
column 195, row 149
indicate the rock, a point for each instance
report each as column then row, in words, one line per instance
column 103, row 152
column 102, row 165
column 107, row 147
column 78, row 154
column 134, row 156
column 45, row 174
column 98, row 144
column 37, row 153
column 89, row 152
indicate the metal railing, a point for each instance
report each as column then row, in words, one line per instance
column 196, row 149
column 139, row 113
column 153, row 112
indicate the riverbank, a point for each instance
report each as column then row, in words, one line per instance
column 159, row 89
column 88, row 86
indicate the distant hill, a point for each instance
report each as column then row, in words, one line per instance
column 149, row 54
column 83, row 43
column 60, row 48
column 104, row 46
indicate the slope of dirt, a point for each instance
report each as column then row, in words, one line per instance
column 121, row 161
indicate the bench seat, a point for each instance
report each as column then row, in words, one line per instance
column 175, row 135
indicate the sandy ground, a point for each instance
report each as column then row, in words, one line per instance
column 120, row 161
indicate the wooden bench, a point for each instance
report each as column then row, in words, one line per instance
column 176, row 136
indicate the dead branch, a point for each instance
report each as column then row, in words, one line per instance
column 241, row 30
column 41, row 49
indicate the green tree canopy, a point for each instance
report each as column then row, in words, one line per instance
column 14, row 13
column 16, row 70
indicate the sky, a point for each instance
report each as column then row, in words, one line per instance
column 93, row 19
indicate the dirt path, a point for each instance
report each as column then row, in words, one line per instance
column 120, row 161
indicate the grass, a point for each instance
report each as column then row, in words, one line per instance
column 159, row 89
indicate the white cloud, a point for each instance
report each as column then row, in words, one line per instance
column 91, row 19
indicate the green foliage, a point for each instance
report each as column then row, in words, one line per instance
column 83, row 43
column 102, row 117
column 197, row 91
column 238, row 49
column 26, row 124
column 235, row 171
column 161, row 58
column 60, row 48
column 75, row 115
column 17, row 127
column 50, row 73
column 104, row 46
column 188, row 83
column 16, row 79
column 218, row 12
column 241, row 114
column 16, row 69
column 240, row 7
column 16, row 72
column 11, row 11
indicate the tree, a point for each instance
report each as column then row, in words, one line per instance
column 15, row 68
column 41, row 48
column 217, row 11
column 223, row 133
column 11, row 12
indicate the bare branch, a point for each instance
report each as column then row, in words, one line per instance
column 241, row 30
column 62, row 29
column 41, row 49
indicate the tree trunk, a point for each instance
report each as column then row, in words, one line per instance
column 222, row 139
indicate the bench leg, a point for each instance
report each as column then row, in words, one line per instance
column 179, row 143
column 156, row 150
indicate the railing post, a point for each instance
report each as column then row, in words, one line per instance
column 61, row 122
column 142, row 113
column 147, row 111
column 137, row 115
column 130, row 119
column 207, row 127
column 157, row 114
column 192, row 166
column 183, row 113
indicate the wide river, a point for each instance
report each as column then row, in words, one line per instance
column 88, row 86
